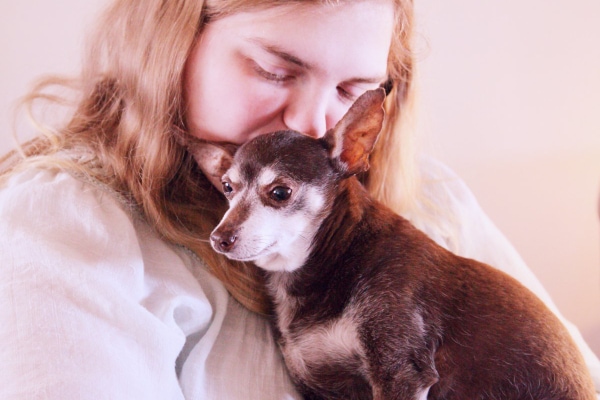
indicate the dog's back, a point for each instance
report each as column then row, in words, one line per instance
column 426, row 318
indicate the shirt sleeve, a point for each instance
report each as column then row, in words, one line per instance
column 94, row 304
column 470, row 233
column 77, row 316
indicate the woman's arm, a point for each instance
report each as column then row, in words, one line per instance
column 78, row 315
column 94, row 303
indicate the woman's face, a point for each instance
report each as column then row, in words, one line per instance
column 288, row 67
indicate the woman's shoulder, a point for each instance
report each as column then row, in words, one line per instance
column 464, row 228
column 444, row 205
column 51, row 205
column 81, row 277
column 51, row 217
column 460, row 224
column 50, row 192
column 441, row 184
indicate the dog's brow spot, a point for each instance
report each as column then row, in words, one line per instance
column 233, row 174
column 315, row 199
column 266, row 177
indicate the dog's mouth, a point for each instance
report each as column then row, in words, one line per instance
column 265, row 251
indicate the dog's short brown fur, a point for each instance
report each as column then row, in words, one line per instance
column 375, row 308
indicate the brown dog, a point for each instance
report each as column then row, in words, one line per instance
column 366, row 305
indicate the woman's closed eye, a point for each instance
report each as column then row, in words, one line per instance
column 347, row 95
column 277, row 75
column 349, row 92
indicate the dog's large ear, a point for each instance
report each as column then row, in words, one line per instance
column 214, row 159
column 353, row 138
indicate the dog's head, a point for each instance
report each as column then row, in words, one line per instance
column 279, row 185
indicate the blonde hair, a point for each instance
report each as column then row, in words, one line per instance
column 129, row 107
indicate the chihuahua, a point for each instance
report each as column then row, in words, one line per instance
column 367, row 306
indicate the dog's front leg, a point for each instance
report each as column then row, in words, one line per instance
column 399, row 389
column 400, row 360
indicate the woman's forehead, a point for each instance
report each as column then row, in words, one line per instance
column 354, row 36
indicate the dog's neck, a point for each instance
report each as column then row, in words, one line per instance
column 350, row 208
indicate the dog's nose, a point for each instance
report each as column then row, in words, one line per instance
column 223, row 242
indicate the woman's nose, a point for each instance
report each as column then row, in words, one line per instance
column 308, row 113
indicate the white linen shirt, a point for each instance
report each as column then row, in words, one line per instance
column 94, row 305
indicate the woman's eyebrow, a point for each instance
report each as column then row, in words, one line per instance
column 374, row 80
column 280, row 53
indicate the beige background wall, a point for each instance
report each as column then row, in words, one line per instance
column 510, row 100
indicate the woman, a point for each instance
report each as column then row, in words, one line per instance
column 108, row 283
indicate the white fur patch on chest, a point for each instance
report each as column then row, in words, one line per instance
column 335, row 342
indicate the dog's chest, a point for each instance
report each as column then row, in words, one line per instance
column 311, row 348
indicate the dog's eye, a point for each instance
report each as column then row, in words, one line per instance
column 281, row 193
column 227, row 188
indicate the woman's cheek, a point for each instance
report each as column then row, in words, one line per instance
column 261, row 107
